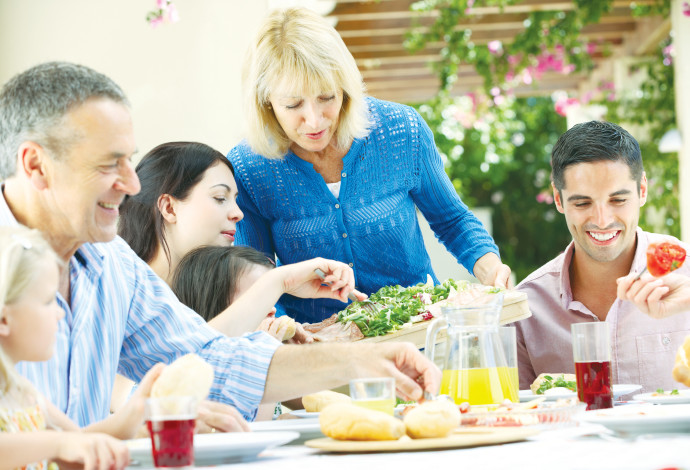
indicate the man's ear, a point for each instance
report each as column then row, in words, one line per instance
column 166, row 206
column 31, row 162
column 643, row 189
column 557, row 199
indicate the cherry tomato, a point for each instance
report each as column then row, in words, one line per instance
column 662, row 258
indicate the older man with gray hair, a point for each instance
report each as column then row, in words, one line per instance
column 65, row 153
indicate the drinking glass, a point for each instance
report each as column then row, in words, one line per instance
column 509, row 341
column 170, row 421
column 376, row 394
column 592, row 356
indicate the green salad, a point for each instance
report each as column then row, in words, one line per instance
column 396, row 306
column 549, row 382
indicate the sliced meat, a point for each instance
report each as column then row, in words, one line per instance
column 338, row 332
column 316, row 327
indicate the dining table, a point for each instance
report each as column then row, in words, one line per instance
column 583, row 446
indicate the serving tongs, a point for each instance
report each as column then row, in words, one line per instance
column 366, row 304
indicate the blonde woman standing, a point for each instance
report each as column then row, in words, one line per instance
column 327, row 171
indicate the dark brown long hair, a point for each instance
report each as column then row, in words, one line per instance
column 173, row 168
column 206, row 278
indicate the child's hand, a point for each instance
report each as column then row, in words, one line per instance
column 95, row 451
column 127, row 421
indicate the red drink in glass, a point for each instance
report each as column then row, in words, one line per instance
column 594, row 384
column 172, row 442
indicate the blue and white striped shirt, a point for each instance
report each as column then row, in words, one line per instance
column 124, row 318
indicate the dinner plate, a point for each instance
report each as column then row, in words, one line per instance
column 308, row 428
column 460, row 438
column 219, row 448
column 305, row 414
column 618, row 391
column 682, row 397
column 641, row 419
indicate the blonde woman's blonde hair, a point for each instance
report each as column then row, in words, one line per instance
column 22, row 251
column 298, row 45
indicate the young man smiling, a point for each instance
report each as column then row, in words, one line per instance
column 599, row 185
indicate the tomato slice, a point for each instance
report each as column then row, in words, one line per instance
column 662, row 258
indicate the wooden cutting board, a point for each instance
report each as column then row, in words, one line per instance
column 462, row 437
column 514, row 308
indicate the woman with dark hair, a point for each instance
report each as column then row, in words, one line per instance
column 188, row 200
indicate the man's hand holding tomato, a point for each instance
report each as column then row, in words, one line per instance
column 661, row 294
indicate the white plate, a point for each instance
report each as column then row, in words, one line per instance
column 218, row 448
column 624, row 389
column 527, row 395
column 308, row 428
column 618, row 391
column 641, row 419
column 682, row 397
column 305, row 414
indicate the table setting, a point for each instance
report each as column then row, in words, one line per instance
column 479, row 420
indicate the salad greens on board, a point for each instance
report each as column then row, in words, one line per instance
column 397, row 306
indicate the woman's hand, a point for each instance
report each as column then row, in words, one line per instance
column 300, row 280
column 93, row 451
column 490, row 271
column 657, row 297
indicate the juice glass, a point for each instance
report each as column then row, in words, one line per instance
column 592, row 356
column 375, row 394
column 170, row 421
column 508, row 337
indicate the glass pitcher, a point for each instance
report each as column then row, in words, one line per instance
column 473, row 361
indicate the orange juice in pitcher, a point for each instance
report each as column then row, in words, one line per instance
column 474, row 364
column 479, row 386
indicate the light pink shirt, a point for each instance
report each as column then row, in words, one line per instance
column 642, row 349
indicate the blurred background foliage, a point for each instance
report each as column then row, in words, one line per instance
column 497, row 147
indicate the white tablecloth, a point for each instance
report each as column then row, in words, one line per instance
column 571, row 448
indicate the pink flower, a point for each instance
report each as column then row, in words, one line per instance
column 544, row 197
column 591, row 48
column 668, row 53
column 162, row 4
column 513, row 59
column 495, row 91
column 156, row 21
column 173, row 14
column 563, row 104
column 470, row 4
column 527, row 77
column 495, row 47
column 686, row 8
column 499, row 100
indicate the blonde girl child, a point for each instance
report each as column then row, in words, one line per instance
column 33, row 432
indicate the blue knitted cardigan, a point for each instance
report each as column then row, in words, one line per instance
column 372, row 226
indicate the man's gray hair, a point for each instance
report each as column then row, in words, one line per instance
column 34, row 103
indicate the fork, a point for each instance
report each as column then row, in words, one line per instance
column 366, row 304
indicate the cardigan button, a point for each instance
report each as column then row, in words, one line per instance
column 666, row 340
column 337, row 206
column 344, row 174
column 344, row 235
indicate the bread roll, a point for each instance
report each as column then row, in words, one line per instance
column 188, row 376
column 289, row 329
column 316, row 402
column 432, row 419
column 345, row 421
column 681, row 369
column 537, row 382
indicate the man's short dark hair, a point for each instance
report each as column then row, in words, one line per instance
column 595, row 141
